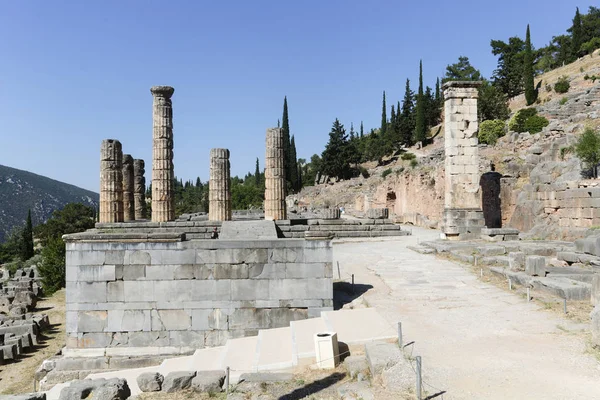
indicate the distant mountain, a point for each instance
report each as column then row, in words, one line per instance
column 21, row 191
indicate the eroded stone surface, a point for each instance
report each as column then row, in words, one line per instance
column 275, row 185
column 219, row 195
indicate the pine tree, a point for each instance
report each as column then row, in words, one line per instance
column 334, row 157
column 576, row 33
column 293, row 165
column 285, row 127
column 530, row 92
column 420, row 110
column 383, row 116
column 198, row 182
column 407, row 124
column 257, row 174
column 27, row 240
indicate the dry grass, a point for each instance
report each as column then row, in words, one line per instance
column 17, row 377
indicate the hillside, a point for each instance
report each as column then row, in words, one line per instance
column 21, row 191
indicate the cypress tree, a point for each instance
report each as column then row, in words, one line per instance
column 392, row 116
column 27, row 239
column 300, row 183
column 383, row 116
column 198, row 182
column 420, row 117
column 437, row 90
column 407, row 124
column 362, row 131
column 293, row 165
column 530, row 92
column 257, row 174
column 352, row 135
column 576, row 32
column 285, row 127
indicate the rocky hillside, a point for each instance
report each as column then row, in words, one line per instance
column 530, row 169
column 21, row 191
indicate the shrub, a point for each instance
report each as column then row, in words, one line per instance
column 408, row 156
column 587, row 149
column 517, row 122
column 363, row 171
column 562, row 85
column 590, row 46
column 399, row 171
column 413, row 163
column 386, row 173
column 52, row 267
column 535, row 124
column 491, row 130
column 548, row 87
column 563, row 101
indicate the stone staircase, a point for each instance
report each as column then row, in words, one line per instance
column 279, row 349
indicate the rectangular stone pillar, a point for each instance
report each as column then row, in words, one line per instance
column 111, row 181
column 275, row 185
column 139, row 189
column 463, row 217
column 128, row 199
column 219, row 195
column 163, row 175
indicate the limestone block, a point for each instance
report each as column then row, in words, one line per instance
column 86, row 292
column 115, row 291
column 128, row 320
column 91, row 321
column 214, row 290
column 177, row 381
column 249, row 289
column 186, row 339
column 595, row 326
column 150, row 381
column 135, row 291
column 535, row 266
column 148, row 339
column 516, row 261
column 171, row 320
column 133, row 272
column 381, row 356
column 596, row 290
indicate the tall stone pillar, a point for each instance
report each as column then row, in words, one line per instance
column 275, row 186
column 463, row 217
column 111, row 181
column 139, row 189
column 219, row 195
column 128, row 199
column 163, row 175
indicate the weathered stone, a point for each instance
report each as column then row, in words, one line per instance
column 535, row 266
column 163, row 175
column 26, row 396
column 595, row 291
column 595, row 326
column 275, row 184
column 382, row 355
column 96, row 389
column 355, row 391
column 266, row 377
column 150, row 381
column 377, row 213
column 355, row 365
column 111, row 181
column 176, row 381
column 208, row 381
column 219, row 195
column 516, row 261
column 139, row 189
column 128, row 189
column 399, row 378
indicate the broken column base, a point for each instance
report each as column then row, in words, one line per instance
column 462, row 223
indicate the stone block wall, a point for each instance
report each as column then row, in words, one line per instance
column 163, row 297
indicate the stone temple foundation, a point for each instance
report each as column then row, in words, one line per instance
column 111, row 181
column 275, row 185
column 163, row 175
column 219, row 195
column 463, row 216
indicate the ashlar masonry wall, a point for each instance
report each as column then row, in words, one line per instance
column 169, row 297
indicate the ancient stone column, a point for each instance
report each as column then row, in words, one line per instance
column 111, row 181
column 139, row 189
column 163, row 175
column 275, row 186
column 128, row 199
column 463, row 217
column 219, row 195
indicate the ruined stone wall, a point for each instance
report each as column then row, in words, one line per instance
column 171, row 297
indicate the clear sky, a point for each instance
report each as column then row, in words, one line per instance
column 75, row 72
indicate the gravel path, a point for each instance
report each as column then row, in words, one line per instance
column 477, row 341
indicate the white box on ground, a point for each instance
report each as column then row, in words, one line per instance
column 326, row 350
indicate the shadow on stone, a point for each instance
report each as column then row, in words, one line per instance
column 313, row 387
column 344, row 293
column 491, row 203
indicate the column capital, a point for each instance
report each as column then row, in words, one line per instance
column 162, row 91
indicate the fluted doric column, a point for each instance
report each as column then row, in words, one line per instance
column 128, row 199
column 163, row 175
column 111, row 181
column 275, row 186
column 139, row 189
column 219, row 195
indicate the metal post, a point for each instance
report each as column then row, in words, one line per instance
column 339, row 274
column 565, row 305
column 475, row 260
column 481, row 272
column 418, row 377
column 400, row 334
column 528, row 296
column 227, row 380
column 353, row 292
column 509, row 284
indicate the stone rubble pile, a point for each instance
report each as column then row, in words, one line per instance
column 19, row 326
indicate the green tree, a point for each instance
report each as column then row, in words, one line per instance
column 293, row 166
column 334, row 161
column 530, row 91
column 383, row 116
column 52, row 267
column 257, row 179
column 587, row 149
column 407, row 121
column 492, row 103
column 508, row 75
column 420, row 110
column 462, row 71
column 72, row 218
column 576, row 35
column 285, row 127
column 27, row 242
column 11, row 248
column 362, row 133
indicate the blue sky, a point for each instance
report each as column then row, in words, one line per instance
column 76, row 72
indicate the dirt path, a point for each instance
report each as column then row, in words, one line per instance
column 17, row 377
column 476, row 340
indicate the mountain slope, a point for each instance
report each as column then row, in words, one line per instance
column 21, row 191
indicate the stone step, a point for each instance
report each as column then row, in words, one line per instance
column 303, row 345
column 358, row 326
column 207, row 359
column 239, row 354
column 274, row 349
